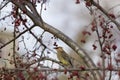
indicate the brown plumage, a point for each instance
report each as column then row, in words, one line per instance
column 63, row 57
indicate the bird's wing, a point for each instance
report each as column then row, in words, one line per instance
column 66, row 57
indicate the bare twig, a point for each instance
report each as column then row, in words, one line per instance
column 102, row 53
column 14, row 47
column 105, row 12
column 5, row 17
column 15, row 37
column 2, row 6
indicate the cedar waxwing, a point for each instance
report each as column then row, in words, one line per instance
column 63, row 57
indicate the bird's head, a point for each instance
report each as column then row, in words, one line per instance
column 58, row 48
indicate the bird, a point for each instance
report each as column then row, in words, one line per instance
column 63, row 57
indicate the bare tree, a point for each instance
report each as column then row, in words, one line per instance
column 31, row 64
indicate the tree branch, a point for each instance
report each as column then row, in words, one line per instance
column 105, row 12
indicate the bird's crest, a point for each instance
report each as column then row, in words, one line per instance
column 59, row 48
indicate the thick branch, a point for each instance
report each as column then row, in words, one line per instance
column 62, row 70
